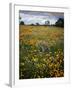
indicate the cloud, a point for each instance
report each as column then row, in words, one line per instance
column 32, row 17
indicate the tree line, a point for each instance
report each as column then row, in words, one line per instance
column 58, row 23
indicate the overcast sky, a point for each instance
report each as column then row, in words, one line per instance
column 33, row 17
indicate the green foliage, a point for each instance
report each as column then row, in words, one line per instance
column 21, row 23
column 60, row 22
column 47, row 22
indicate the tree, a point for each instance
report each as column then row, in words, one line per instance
column 60, row 22
column 21, row 23
column 19, row 17
column 47, row 22
column 32, row 24
column 37, row 23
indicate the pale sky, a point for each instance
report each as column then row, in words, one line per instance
column 33, row 17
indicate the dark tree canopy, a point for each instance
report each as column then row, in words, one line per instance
column 47, row 22
column 19, row 17
column 21, row 23
column 37, row 24
column 32, row 24
column 60, row 22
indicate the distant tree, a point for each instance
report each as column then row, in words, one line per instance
column 60, row 22
column 19, row 17
column 47, row 22
column 22, row 23
column 37, row 24
column 32, row 24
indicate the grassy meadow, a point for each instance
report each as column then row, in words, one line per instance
column 41, row 52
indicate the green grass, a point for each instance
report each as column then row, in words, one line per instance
column 41, row 52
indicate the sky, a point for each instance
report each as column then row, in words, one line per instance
column 33, row 17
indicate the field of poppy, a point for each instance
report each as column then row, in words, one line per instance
column 41, row 52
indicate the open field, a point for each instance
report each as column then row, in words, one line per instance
column 41, row 52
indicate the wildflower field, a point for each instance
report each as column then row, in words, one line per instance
column 41, row 52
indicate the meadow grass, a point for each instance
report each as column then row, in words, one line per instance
column 41, row 52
